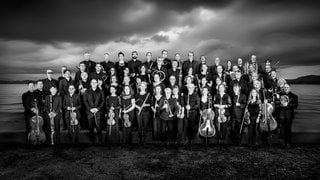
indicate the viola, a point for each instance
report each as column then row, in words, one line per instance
column 36, row 135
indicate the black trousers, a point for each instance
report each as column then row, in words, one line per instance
column 143, row 121
column 56, row 135
column 181, row 129
column 95, row 123
column 236, row 136
column 192, row 124
column 156, row 127
column 166, row 130
column 287, row 130
column 253, row 130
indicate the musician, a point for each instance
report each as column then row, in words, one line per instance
column 128, row 105
column 204, row 73
column 120, row 66
column 168, row 114
column 28, row 101
column 90, row 65
column 107, row 64
column 215, row 89
column 143, row 103
column 175, row 71
column 94, row 101
column 213, row 69
column 49, row 81
column 289, row 102
column 161, row 69
column 72, row 103
column 82, row 68
column 143, row 73
column 281, row 83
column 188, row 81
column 172, row 82
column 223, row 76
column 157, row 82
column 228, row 67
column 157, row 100
column 114, row 82
column 113, row 105
column 112, row 72
column 204, row 102
column 204, row 84
column 98, row 73
column 190, row 63
column 178, row 125
column 53, row 107
column 149, row 63
column 256, row 66
column 203, row 60
column 166, row 61
column 240, row 65
column 63, row 69
column 239, row 102
column 222, row 103
column 134, row 64
column 254, row 108
column 42, row 93
column 192, row 104
column 63, row 90
column 240, row 81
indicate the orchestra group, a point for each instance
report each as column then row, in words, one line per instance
column 174, row 100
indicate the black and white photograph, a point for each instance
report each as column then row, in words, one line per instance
column 159, row 89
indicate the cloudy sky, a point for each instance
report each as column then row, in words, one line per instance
column 39, row 34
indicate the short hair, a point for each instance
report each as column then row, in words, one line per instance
column 40, row 80
column 148, row 53
column 53, row 86
column 120, row 53
column 164, row 51
column 134, row 52
column 30, row 82
column 106, row 54
column 66, row 71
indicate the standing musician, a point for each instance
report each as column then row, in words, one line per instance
column 134, row 64
column 72, row 104
column 240, row 65
column 143, row 73
column 222, row 103
column 289, row 102
column 190, row 63
column 166, row 60
column 98, row 73
column 53, row 107
column 215, row 66
column 63, row 90
column 49, row 81
column 168, row 114
column 159, row 68
column 172, row 82
column 63, row 68
column 82, row 86
column 204, row 73
column 192, row 104
column 143, row 103
column 254, row 109
column 120, row 66
column 257, row 67
column 42, row 93
column 157, row 100
column 28, row 102
column 240, row 81
column 223, row 76
column 113, row 105
column 128, row 105
column 175, row 70
column 203, row 60
column 179, row 122
column 94, row 101
column 204, row 104
column 239, row 102
column 82, row 68
column 157, row 81
column 107, row 64
column 90, row 64
column 149, row 63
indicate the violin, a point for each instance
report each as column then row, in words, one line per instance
column 127, row 123
column 111, row 120
column 36, row 135
column 207, row 129
column 267, row 122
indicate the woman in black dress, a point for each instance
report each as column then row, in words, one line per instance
column 113, row 107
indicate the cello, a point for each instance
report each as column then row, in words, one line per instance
column 36, row 135
column 267, row 122
column 207, row 129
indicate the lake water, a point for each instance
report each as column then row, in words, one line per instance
column 307, row 117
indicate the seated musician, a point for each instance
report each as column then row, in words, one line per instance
column 169, row 109
column 143, row 103
column 72, row 103
column 222, row 103
column 94, row 101
column 53, row 107
column 289, row 102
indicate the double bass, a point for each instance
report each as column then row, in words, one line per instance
column 267, row 122
column 36, row 135
column 207, row 129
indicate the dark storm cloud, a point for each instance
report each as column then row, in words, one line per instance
column 160, row 38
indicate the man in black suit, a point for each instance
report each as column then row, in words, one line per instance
column 49, row 81
column 134, row 64
column 107, row 64
column 94, row 102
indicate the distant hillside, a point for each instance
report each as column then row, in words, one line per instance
column 311, row 79
column 14, row 82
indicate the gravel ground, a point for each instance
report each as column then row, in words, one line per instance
column 158, row 162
